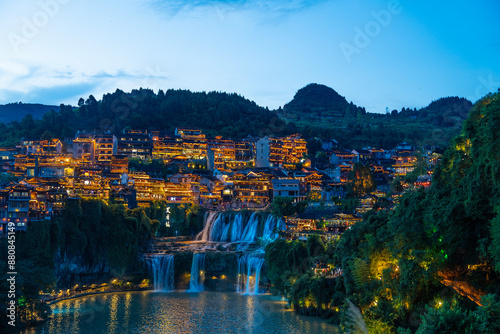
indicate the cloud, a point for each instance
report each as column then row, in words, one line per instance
column 269, row 8
column 54, row 95
column 13, row 68
column 54, row 86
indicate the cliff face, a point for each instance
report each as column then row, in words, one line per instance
column 72, row 270
column 220, row 271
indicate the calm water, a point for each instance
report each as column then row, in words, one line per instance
column 178, row 312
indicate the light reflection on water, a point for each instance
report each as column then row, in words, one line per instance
column 178, row 312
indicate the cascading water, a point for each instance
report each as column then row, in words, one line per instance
column 245, row 230
column 249, row 268
column 230, row 227
column 197, row 273
column 163, row 272
column 236, row 227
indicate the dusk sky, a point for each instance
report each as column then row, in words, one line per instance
column 377, row 54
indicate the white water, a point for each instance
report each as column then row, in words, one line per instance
column 163, row 272
column 249, row 267
column 224, row 227
column 196, row 283
column 230, row 227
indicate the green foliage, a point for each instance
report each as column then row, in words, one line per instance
column 393, row 261
column 315, row 246
column 185, row 220
column 317, row 98
column 94, row 231
column 228, row 115
column 353, row 127
column 284, row 206
column 421, row 166
column 347, row 205
column 34, row 265
column 286, row 261
column 488, row 315
column 447, row 319
column 397, row 258
column 361, row 180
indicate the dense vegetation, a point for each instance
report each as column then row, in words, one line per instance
column 315, row 111
column 228, row 115
column 91, row 234
column 320, row 111
column 184, row 219
column 421, row 266
column 321, row 100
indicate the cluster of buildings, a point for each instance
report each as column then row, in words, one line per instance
column 39, row 175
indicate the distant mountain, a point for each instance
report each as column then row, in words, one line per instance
column 315, row 111
column 320, row 100
column 16, row 111
column 444, row 112
column 319, row 111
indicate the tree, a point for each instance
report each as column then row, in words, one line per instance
column 361, row 180
column 447, row 319
column 284, row 206
column 314, row 145
column 47, row 135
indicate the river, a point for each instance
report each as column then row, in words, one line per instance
column 178, row 312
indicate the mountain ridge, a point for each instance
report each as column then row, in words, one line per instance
column 315, row 111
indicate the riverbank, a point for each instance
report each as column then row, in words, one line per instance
column 52, row 302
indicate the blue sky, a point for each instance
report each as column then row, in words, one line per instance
column 377, row 54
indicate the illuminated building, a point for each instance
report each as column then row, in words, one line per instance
column 149, row 189
column 18, row 206
column 279, row 152
column 135, row 144
column 167, row 148
column 339, row 157
column 83, row 148
column 251, row 189
column 45, row 166
column 404, row 159
column 119, row 164
column 4, row 198
column 210, row 189
column 287, row 187
column 227, row 154
column 105, row 147
column 40, row 147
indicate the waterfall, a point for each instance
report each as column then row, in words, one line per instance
column 231, row 227
column 250, row 232
column 205, row 234
column 236, row 229
column 249, row 268
column 197, row 273
column 163, row 272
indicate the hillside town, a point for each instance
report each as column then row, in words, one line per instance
column 138, row 167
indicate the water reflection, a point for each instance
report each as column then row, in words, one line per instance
column 178, row 312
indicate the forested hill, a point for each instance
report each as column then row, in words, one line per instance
column 318, row 110
column 445, row 112
column 448, row 233
column 228, row 115
column 315, row 111
column 17, row 111
column 431, row 264
column 217, row 113
column 321, row 100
